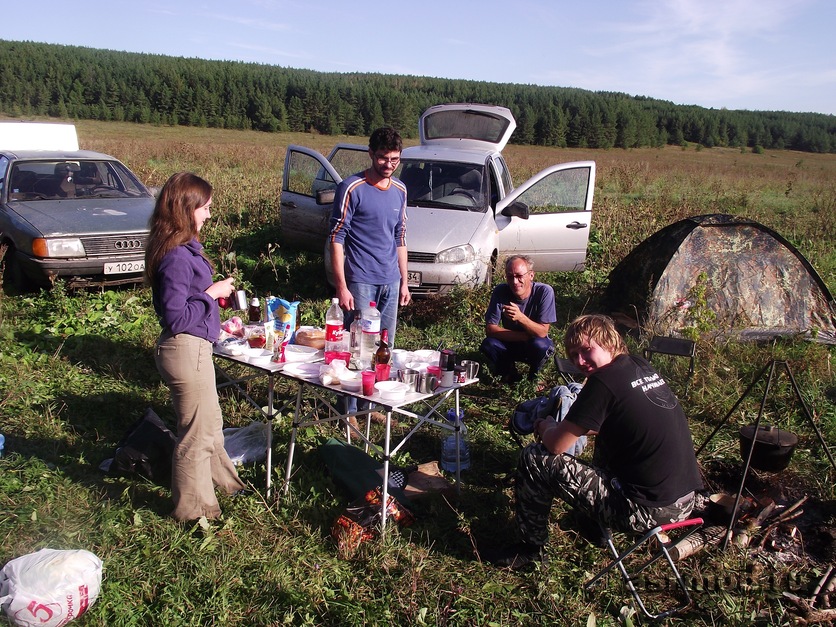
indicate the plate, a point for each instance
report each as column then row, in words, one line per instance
column 302, row 370
column 257, row 355
column 299, row 353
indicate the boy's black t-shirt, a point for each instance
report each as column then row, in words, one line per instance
column 643, row 435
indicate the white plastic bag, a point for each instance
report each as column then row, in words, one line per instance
column 49, row 588
column 246, row 444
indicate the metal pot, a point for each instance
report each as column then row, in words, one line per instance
column 773, row 447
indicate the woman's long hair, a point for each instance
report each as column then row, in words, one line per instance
column 172, row 223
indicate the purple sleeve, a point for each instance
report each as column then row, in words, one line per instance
column 493, row 315
column 544, row 312
column 184, row 305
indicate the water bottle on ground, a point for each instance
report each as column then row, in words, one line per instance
column 370, row 334
column 2, row 443
column 448, row 444
column 334, row 327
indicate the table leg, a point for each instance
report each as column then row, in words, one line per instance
column 386, row 448
column 270, row 384
column 292, row 447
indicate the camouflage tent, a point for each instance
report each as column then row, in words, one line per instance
column 722, row 274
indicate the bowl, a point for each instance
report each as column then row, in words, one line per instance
column 351, row 381
column 400, row 357
column 391, row 390
column 299, row 353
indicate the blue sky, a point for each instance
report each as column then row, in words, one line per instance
column 734, row 54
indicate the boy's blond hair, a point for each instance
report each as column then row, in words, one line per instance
column 599, row 328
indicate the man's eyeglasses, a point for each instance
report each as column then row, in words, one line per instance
column 517, row 277
column 382, row 159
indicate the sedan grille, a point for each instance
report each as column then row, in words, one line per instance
column 108, row 245
column 420, row 257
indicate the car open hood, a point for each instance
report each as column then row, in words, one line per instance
column 94, row 216
column 424, row 224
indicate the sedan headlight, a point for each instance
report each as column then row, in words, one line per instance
column 457, row 254
column 58, row 247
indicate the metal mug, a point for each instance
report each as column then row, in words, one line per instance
column 239, row 301
column 410, row 377
column 471, row 368
column 427, row 383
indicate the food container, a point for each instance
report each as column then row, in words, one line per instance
column 258, row 356
column 391, row 390
column 351, row 381
column 773, row 447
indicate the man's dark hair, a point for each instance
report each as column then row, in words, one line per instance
column 385, row 138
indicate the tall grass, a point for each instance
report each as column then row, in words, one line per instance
column 76, row 369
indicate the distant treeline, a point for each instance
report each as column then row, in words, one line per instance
column 86, row 83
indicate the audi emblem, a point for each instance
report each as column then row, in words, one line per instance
column 128, row 244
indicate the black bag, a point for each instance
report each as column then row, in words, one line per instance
column 145, row 450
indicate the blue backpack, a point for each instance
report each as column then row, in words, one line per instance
column 556, row 403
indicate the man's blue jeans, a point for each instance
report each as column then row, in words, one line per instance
column 386, row 298
column 503, row 355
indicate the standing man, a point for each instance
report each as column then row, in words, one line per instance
column 368, row 235
column 517, row 322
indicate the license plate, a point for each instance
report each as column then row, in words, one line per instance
column 413, row 279
column 124, row 267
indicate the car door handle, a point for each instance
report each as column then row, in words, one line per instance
column 292, row 205
column 576, row 225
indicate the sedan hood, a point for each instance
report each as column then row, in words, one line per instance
column 431, row 230
column 95, row 216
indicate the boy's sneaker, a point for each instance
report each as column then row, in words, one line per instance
column 517, row 556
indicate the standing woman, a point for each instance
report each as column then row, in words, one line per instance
column 185, row 300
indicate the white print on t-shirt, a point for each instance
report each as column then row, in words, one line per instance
column 656, row 391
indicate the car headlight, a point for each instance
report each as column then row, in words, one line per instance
column 457, row 254
column 58, row 247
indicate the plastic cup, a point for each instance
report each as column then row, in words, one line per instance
column 382, row 372
column 435, row 370
column 345, row 356
column 331, row 356
column 369, row 378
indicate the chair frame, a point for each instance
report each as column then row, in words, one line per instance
column 676, row 346
column 567, row 371
column 664, row 544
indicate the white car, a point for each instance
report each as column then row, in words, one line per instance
column 463, row 212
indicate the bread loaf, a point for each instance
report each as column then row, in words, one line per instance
column 312, row 337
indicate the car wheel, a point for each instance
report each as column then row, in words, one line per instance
column 14, row 281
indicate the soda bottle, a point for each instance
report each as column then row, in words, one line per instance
column 355, row 334
column 334, row 327
column 383, row 354
column 369, row 333
column 448, row 444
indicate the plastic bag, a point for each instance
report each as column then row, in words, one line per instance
column 247, row 444
column 51, row 587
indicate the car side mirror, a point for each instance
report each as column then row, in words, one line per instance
column 325, row 196
column 517, row 209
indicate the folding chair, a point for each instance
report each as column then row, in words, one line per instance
column 663, row 544
column 675, row 346
column 567, row 371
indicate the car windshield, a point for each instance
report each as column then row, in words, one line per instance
column 444, row 184
column 60, row 180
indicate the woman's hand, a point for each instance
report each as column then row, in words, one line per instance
column 221, row 288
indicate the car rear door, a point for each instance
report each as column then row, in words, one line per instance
column 558, row 206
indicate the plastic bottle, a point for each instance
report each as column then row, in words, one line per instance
column 355, row 334
column 370, row 333
column 254, row 312
column 383, row 354
column 334, row 327
column 448, row 444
